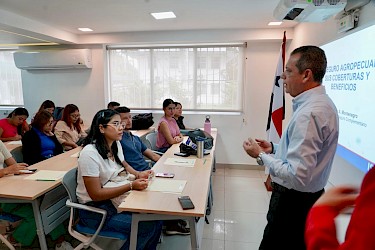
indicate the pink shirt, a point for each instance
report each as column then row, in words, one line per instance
column 9, row 130
column 161, row 142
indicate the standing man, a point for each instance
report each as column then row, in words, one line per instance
column 303, row 159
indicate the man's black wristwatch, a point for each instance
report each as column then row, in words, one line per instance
column 259, row 159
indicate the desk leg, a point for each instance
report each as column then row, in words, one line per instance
column 134, row 231
column 39, row 225
column 193, row 233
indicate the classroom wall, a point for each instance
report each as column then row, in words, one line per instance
column 86, row 88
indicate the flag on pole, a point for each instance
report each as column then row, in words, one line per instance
column 276, row 113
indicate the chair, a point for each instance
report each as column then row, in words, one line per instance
column 151, row 142
column 83, row 233
column 17, row 154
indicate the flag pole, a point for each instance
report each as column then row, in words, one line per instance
column 276, row 113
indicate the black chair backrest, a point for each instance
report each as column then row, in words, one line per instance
column 70, row 183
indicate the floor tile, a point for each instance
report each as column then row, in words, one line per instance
column 218, row 181
column 242, row 173
column 208, row 244
column 246, row 201
column 244, row 227
column 242, row 183
column 218, row 197
column 235, row 245
column 216, row 229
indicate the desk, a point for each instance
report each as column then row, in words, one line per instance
column 10, row 145
column 148, row 205
column 15, row 189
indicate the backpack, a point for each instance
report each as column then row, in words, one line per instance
column 142, row 121
column 200, row 134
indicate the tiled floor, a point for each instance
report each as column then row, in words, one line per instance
column 238, row 216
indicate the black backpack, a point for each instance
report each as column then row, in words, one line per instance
column 200, row 134
column 142, row 121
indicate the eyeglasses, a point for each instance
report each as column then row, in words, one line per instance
column 116, row 124
column 74, row 116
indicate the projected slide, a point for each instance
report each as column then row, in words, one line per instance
column 350, row 82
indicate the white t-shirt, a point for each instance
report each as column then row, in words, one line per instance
column 4, row 154
column 91, row 163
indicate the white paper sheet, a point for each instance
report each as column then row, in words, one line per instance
column 180, row 162
column 46, row 175
column 166, row 185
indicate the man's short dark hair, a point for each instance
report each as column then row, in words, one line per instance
column 313, row 58
column 123, row 110
column 112, row 104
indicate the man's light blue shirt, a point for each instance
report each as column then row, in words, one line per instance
column 304, row 156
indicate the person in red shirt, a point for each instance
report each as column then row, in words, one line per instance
column 320, row 226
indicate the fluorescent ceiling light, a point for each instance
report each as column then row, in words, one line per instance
column 163, row 15
column 274, row 23
column 85, row 29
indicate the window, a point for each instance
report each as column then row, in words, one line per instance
column 206, row 78
column 10, row 80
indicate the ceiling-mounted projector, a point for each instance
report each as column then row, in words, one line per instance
column 308, row 10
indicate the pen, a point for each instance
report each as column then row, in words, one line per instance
column 204, row 161
column 44, row 180
column 181, row 161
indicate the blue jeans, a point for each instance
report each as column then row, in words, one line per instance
column 148, row 231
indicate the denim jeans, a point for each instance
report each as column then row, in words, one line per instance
column 148, row 231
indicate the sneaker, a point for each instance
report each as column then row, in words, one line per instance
column 64, row 246
column 183, row 222
column 176, row 229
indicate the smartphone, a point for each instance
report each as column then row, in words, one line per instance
column 182, row 154
column 164, row 175
column 185, row 202
column 28, row 171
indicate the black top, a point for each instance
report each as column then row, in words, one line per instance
column 32, row 147
column 180, row 122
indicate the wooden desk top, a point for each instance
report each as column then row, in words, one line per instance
column 197, row 187
column 17, row 187
column 10, row 146
column 142, row 132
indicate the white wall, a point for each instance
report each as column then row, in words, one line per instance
column 86, row 88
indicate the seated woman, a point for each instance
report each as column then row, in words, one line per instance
column 178, row 115
column 47, row 105
column 100, row 161
column 68, row 130
column 13, row 127
column 40, row 143
column 25, row 233
column 168, row 131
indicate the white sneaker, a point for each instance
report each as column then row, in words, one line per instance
column 64, row 246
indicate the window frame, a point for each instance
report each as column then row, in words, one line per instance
column 194, row 110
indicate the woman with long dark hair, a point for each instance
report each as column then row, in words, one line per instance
column 40, row 143
column 14, row 126
column 168, row 131
column 102, row 161
column 68, row 130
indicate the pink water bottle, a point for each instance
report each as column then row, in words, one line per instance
column 207, row 124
